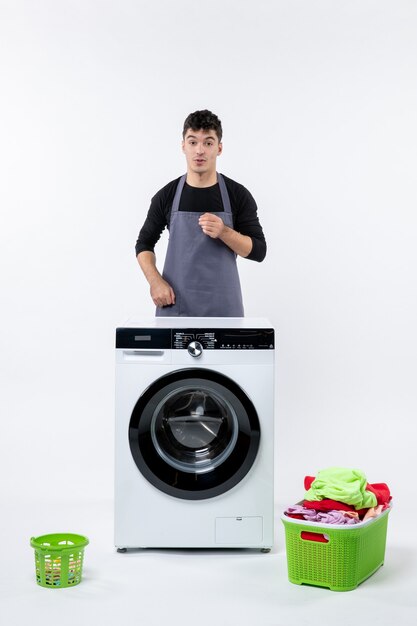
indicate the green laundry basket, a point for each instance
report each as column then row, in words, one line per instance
column 333, row 556
column 59, row 559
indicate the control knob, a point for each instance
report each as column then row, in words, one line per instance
column 195, row 348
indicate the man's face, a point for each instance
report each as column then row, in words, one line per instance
column 201, row 149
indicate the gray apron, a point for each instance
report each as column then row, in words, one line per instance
column 201, row 270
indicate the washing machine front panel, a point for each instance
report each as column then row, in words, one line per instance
column 205, row 442
column 194, row 433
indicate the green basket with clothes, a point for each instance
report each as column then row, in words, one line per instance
column 59, row 559
column 339, row 554
column 336, row 557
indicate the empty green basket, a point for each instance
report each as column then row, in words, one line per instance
column 59, row 559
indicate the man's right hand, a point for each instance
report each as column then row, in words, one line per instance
column 162, row 293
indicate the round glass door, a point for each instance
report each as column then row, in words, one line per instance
column 194, row 429
column 194, row 434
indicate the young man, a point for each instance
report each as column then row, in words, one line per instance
column 211, row 219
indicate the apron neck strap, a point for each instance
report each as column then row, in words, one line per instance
column 223, row 192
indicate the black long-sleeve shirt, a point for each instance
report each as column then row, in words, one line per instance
column 206, row 200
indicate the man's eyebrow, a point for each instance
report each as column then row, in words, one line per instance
column 205, row 138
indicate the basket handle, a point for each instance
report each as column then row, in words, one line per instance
column 312, row 536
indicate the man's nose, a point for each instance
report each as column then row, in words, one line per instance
column 200, row 148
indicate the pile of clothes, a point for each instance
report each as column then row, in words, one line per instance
column 339, row 495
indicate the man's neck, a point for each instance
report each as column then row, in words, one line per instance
column 206, row 179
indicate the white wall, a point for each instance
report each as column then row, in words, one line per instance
column 318, row 101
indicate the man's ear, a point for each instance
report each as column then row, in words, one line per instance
column 220, row 149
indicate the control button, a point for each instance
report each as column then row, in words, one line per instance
column 195, row 348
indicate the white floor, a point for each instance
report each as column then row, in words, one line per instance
column 155, row 587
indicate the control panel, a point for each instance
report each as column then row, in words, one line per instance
column 225, row 339
column 181, row 339
column 208, row 339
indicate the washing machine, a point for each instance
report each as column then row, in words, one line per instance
column 194, row 456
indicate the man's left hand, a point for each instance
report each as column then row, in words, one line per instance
column 212, row 225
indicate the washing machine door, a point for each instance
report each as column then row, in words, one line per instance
column 194, row 434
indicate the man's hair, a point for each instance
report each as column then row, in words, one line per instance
column 203, row 120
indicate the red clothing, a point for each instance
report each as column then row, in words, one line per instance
column 382, row 492
column 307, row 482
column 328, row 505
column 308, row 536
